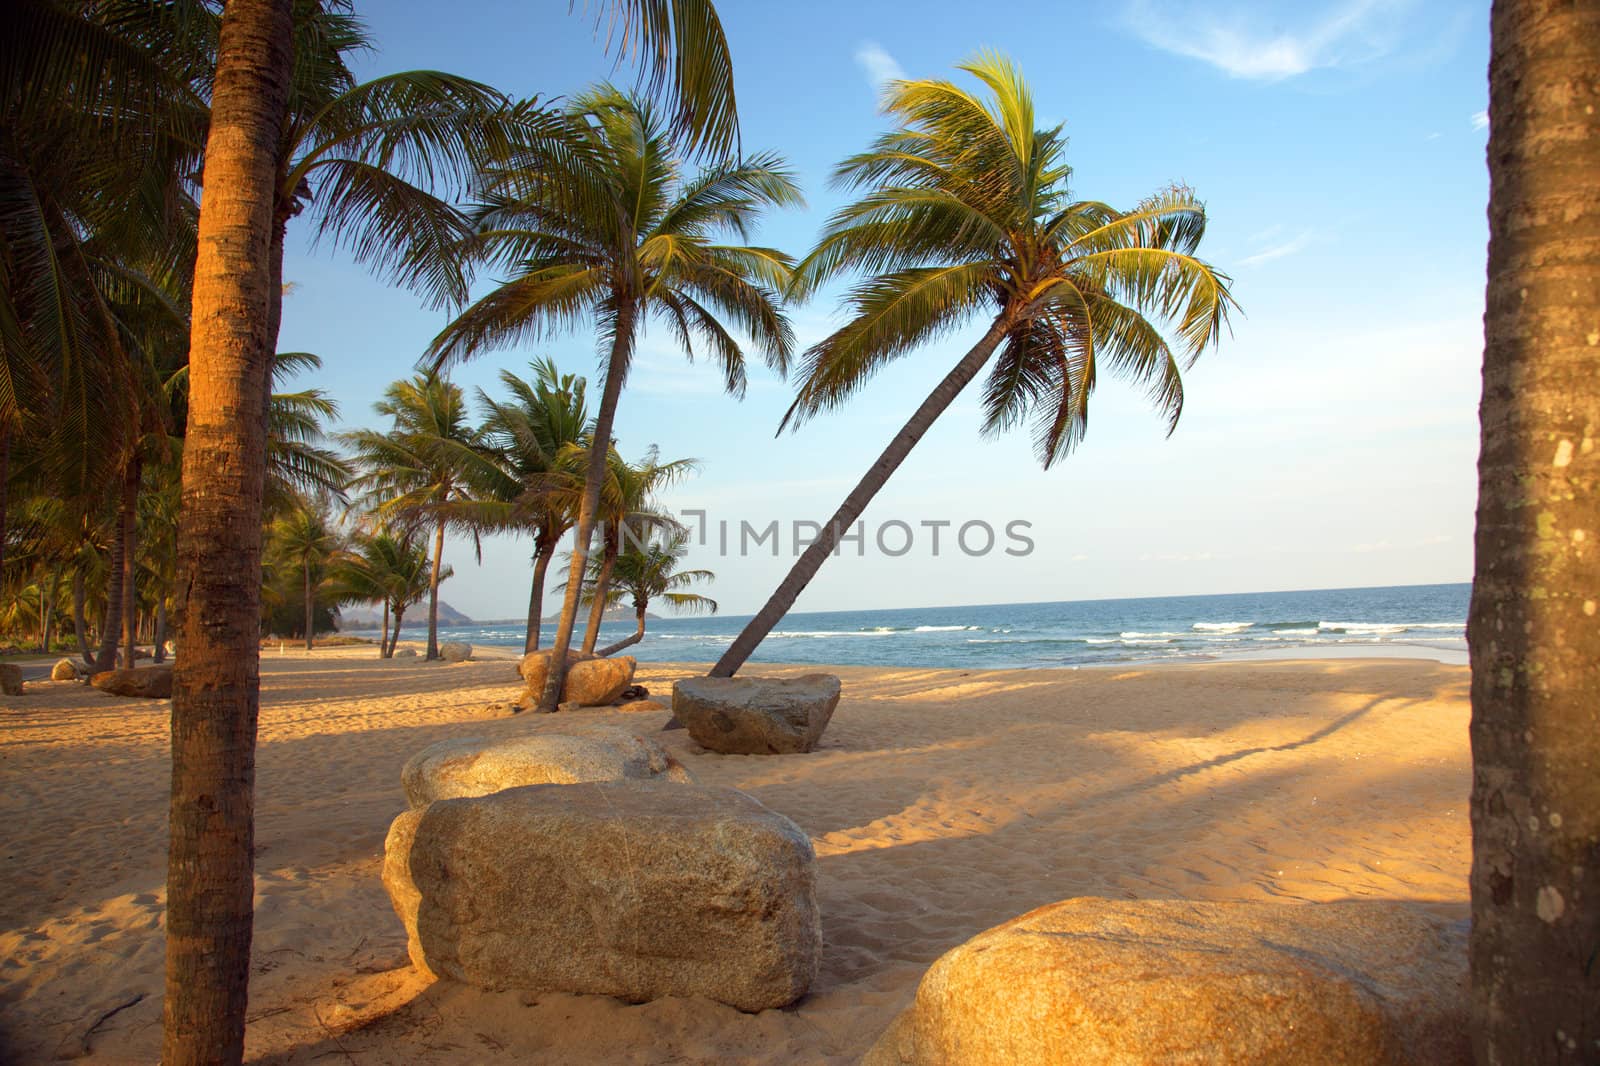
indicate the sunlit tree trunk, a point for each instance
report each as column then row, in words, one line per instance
column 541, row 567
column 130, row 558
column 1534, row 628
column 635, row 637
column 805, row 568
column 217, row 679
column 433, row 592
column 594, row 479
column 383, row 633
column 597, row 610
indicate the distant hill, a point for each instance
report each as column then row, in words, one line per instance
column 416, row 617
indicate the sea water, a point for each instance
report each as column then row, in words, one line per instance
column 1428, row 620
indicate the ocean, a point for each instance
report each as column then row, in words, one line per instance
column 1426, row 620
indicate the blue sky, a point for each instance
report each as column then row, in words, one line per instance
column 1329, row 442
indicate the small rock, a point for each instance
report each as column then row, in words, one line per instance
column 756, row 715
column 64, row 670
column 405, row 653
column 455, row 651
column 634, row 692
column 10, row 679
column 146, row 682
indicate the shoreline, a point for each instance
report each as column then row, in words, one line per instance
column 940, row 803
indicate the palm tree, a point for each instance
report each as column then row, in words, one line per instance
column 966, row 211
column 545, row 416
column 389, row 569
column 215, row 695
column 1531, row 630
column 422, row 472
column 304, row 535
column 649, row 573
column 613, row 233
column 628, row 514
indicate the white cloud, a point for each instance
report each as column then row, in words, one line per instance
column 1480, row 120
column 1277, row 251
column 1250, row 47
column 879, row 66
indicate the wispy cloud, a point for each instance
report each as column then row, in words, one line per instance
column 879, row 66
column 1480, row 120
column 1249, row 46
column 1277, row 251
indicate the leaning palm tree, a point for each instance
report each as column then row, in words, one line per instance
column 966, row 211
column 530, row 432
column 613, row 233
column 422, row 471
column 649, row 573
column 629, row 514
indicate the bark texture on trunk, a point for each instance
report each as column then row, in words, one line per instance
column 1534, row 628
column 394, row 641
column 216, row 683
column 433, row 592
column 159, row 652
column 111, row 630
column 79, row 627
column 594, row 479
column 541, row 567
column 629, row 641
column 877, row 475
column 383, row 633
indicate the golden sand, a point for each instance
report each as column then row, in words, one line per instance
column 941, row 803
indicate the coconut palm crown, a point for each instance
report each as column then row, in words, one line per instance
column 965, row 210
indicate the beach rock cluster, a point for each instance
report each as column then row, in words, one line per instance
column 635, row 888
column 10, row 679
column 1093, row 981
column 591, row 681
column 756, row 715
column 455, row 651
column 146, row 682
column 475, row 766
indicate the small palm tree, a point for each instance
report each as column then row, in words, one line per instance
column 421, row 473
column 612, row 232
column 629, row 514
column 966, row 211
column 304, row 535
column 545, row 416
column 388, row 569
column 646, row 573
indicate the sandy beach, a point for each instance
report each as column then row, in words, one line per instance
column 941, row 803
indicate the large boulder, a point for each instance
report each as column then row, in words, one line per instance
column 64, row 670
column 149, row 682
column 455, row 651
column 1100, row 982
column 10, row 679
column 591, row 681
column 635, row 889
column 756, row 715
column 475, row 766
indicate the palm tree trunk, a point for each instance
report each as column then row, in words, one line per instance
column 877, row 475
column 79, row 628
column 399, row 616
column 629, row 641
column 1532, row 630
column 597, row 610
column 5, row 488
column 594, row 478
column 311, row 605
column 159, row 653
column 541, row 567
column 111, row 630
column 130, row 557
column 216, row 685
column 433, row 592
column 47, row 602
column 383, row 634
